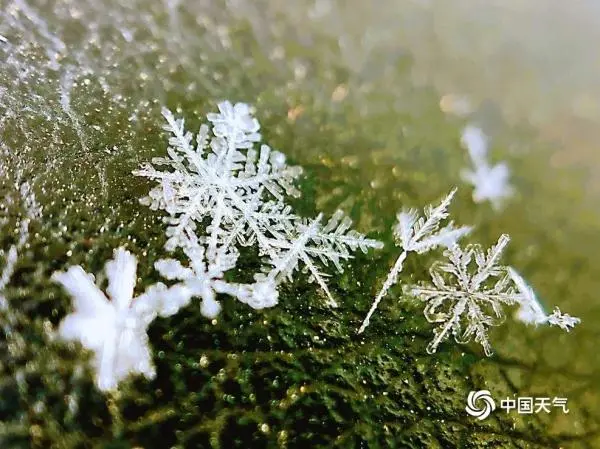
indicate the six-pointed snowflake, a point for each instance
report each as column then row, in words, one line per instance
column 222, row 180
column 115, row 329
column 468, row 294
column 205, row 279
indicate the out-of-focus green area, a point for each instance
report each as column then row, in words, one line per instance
column 361, row 98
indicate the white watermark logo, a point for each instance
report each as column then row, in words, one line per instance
column 480, row 404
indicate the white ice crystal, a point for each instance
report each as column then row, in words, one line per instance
column 531, row 311
column 237, row 191
column 419, row 234
column 115, row 329
column 491, row 182
column 468, row 294
column 221, row 179
column 205, row 279
column 310, row 241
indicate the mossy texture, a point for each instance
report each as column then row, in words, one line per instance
column 370, row 142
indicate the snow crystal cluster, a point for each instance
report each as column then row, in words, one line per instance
column 468, row 292
column 222, row 189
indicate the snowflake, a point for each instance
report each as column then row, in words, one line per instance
column 467, row 302
column 310, row 240
column 238, row 192
column 491, row 182
column 532, row 312
column 221, row 178
column 418, row 234
column 115, row 330
column 206, row 280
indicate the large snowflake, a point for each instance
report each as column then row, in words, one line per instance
column 222, row 180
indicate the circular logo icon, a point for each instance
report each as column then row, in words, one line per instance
column 480, row 404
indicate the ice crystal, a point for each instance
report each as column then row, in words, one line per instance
column 221, row 180
column 466, row 301
column 205, row 279
column 491, row 182
column 115, row 329
column 310, row 241
column 532, row 312
column 415, row 233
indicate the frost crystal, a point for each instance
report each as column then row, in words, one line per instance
column 465, row 301
column 532, row 312
column 221, row 177
column 310, row 240
column 206, row 280
column 491, row 182
column 223, row 182
column 115, row 330
column 419, row 234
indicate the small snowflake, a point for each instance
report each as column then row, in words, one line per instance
column 310, row 241
column 415, row 233
column 492, row 183
column 465, row 301
column 115, row 329
column 205, row 279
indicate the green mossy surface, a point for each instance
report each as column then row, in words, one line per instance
column 296, row 375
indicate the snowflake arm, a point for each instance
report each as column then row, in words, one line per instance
column 532, row 312
column 418, row 234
